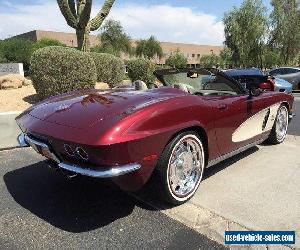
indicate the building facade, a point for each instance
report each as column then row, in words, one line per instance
column 192, row 52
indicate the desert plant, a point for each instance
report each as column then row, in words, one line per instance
column 78, row 17
column 113, row 39
column 110, row 69
column 56, row 70
column 140, row 69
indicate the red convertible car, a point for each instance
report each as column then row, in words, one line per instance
column 193, row 120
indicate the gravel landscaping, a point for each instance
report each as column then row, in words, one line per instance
column 22, row 98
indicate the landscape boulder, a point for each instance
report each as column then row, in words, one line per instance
column 13, row 81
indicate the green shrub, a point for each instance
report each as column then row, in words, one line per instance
column 17, row 51
column 46, row 42
column 56, row 70
column 110, row 69
column 140, row 69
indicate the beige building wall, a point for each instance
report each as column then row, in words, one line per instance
column 192, row 52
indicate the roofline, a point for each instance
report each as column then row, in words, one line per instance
column 133, row 39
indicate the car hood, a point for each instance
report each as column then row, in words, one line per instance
column 82, row 109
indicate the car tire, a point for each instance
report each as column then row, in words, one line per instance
column 180, row 168
column 279, row 130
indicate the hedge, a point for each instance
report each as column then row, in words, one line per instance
column 56, row 70
column 141, row 69
column 110, row 69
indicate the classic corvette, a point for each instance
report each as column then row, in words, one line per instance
column 171, row 131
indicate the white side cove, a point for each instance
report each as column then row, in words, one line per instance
column 257, row 124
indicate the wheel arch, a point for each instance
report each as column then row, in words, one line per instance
column 200, row 131
column 285, row 103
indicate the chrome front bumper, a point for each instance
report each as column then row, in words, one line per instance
column 108, row 172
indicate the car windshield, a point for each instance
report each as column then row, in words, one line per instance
column 201, row 82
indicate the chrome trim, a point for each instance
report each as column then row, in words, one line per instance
column 107, row 172
column 33, row 143
column 101, row 172
column 69, row 149
column 21, row 140
column 291, row 116
column 233, row 153
column 80, row 155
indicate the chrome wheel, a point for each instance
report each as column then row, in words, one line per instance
column 185, row 167
column 282, row 123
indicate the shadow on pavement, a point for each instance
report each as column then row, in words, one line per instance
column 149, row 192
column 31, row 99
column 77, row 205
column 228, row 162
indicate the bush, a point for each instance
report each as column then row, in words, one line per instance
column 17, row 51
column 140, row 69
column 110, row 69
column 56, row 70
column 46, row 42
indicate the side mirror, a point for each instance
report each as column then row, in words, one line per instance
column 254, row 92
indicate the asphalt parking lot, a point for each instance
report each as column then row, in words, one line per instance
column 41, row 209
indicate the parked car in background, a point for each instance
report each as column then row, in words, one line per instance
column 282, row 85
column 172, row 132
column 255, row 78
column 290, row 74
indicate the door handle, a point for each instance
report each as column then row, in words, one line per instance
column 222, row 106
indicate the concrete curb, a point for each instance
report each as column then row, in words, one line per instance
column 9, row 130
column 208, row 223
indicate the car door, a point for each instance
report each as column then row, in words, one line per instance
column 239, row 118
column 238, row 121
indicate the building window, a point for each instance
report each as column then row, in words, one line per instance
column 193, row 55
column 188, row 55
column 198, row 55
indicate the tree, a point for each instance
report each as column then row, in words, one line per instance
column 149, row 48
column 285, row 29
column 113, row 39
column 226, row 58
column 177, row 60
column 245, row 32
column 45, row 42
column 17, row 51
column 210, row 60
column 271, row 57
column 78, row 15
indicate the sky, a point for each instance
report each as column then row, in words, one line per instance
column 188, row 21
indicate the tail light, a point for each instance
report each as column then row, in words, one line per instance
column 268, row 85
column 265, row 86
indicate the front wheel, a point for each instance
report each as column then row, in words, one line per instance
column 280, row 126
column 180, row 168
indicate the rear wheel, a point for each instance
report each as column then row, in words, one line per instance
column 180, row 168
column 280, row 126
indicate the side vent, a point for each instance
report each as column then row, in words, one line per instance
column 266, row 119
